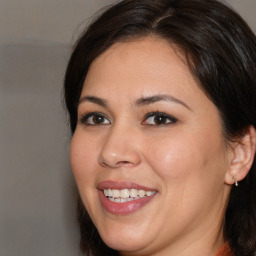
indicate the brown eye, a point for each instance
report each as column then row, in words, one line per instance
column 94, row 119
column 97, row 119
column 158, row 119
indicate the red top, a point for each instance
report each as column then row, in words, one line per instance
column 224, row 251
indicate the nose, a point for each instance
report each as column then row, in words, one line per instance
column 120, row 149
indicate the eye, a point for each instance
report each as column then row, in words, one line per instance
column 159, row 119
column 94, row 119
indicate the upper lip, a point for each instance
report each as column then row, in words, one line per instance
column 109, row 184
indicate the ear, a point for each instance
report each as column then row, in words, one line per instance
column 241, row 157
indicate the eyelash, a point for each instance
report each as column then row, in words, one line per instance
column 84, row 118
column 171, row 120
column 168, row 119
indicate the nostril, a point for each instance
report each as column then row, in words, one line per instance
column 117, row 164
column 125, row 163
column 104, row 164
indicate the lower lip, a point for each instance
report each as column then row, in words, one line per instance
column 123, row 208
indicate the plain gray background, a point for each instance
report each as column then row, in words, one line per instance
column 37, row 190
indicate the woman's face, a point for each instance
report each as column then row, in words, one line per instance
column 148, row 153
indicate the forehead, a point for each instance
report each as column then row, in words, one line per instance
column 140, row 68
column 144, row 48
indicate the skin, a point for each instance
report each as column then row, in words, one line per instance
column 185, row 161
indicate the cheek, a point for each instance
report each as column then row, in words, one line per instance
column 192, row 174
column 82, row 157
column 171, row 161
column 186, row 157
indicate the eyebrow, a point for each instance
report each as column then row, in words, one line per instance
column 138, row 103
column 156, row 98
column 93, row 99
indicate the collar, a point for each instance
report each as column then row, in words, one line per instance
column 224, row 250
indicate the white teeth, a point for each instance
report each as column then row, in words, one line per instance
column 150, row 193
column 142, row 193
column 109, row 192
column 125, row 195
column 115, row 193
column 133, row 192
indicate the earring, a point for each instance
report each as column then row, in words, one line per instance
column 236, row 183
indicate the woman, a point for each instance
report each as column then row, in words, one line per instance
column 162, row 103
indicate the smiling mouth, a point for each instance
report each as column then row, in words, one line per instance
column 126, row 195
column 123, row 198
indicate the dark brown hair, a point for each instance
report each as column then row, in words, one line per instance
column 221, row 53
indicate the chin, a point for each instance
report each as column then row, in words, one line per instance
column 126, row 245
column 121, row 241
